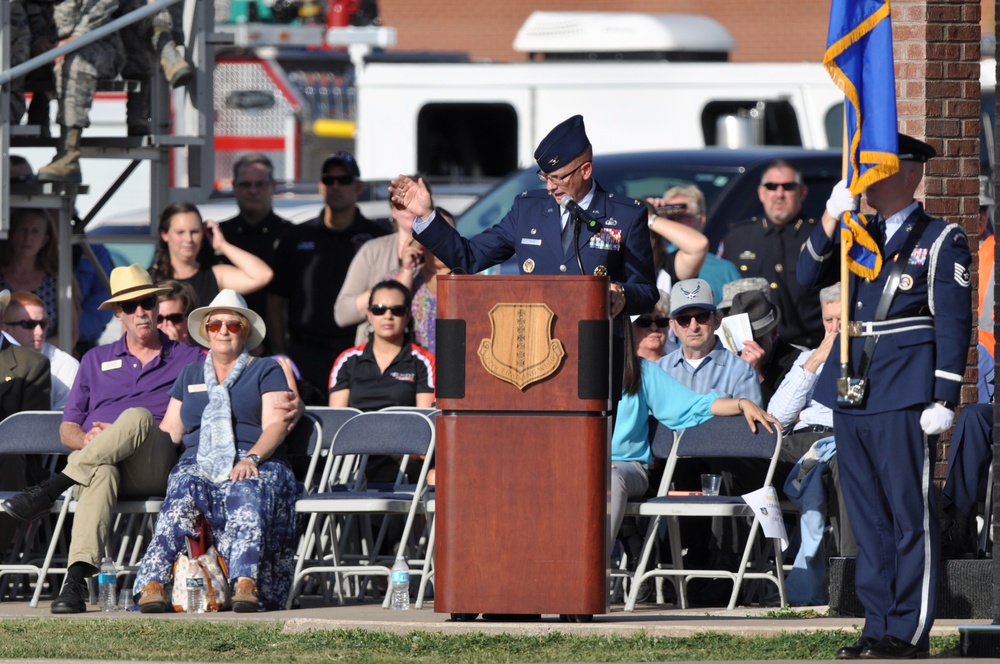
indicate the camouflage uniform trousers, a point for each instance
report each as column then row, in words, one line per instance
column 77, row 76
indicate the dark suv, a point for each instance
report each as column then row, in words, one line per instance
column 728, row 178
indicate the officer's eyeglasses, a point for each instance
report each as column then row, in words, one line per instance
column 649, row 321
column 787, row 186
column 380, row 309
column 29, row 324
column 173, row 318
column 558, row 180
column 215, row 326
column 702, row 318
column 342, row 180
column 148, row 304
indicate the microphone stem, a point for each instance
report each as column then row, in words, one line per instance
column 576, row 242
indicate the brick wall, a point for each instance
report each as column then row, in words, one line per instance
column 773, row 31
column 936, row 50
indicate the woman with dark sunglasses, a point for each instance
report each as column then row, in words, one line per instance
column 389, row 370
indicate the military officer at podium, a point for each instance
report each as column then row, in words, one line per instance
column 541, row 229
column 911, row 329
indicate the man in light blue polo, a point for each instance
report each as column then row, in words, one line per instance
column 702, row 363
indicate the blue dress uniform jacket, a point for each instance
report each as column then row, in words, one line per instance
column 886, row 460
column 531, row 231
column 926, row 363
column 761, row 248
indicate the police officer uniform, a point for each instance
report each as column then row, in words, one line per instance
column 761, row 248
column 886, row 459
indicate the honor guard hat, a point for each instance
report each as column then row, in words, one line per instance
column 561, row 145
column 730, row 289
column 342, row 158
column 912, row 149
column 764, row 315
column 691, row 294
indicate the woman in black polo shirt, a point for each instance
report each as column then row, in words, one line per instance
column 389, row 370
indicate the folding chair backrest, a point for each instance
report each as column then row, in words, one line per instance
column 727, row 437
column 661, row 438
column 431, row 413
column 32, row 432
column 384, row 433
column 330, row 420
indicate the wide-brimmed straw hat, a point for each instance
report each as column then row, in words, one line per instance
column 229, row 300
column 130, row 283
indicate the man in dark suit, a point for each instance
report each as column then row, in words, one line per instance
column 542, row 233
column 24, row 385
column 915, row 353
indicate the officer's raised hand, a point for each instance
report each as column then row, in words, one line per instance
column 841, row 200
column 411, row 195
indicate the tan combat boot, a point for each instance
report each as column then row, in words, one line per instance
column 176, row 69
column 66, row 165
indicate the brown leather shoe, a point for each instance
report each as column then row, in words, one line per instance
column 153, row 599
column 245, row 596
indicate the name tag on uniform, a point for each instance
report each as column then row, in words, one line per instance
column 532, row 242
column 111, row 364
column 198, row 388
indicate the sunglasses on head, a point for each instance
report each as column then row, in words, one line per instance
column 649, row 321
column 173, row 318
column 234, row 326
column 380, row 309
column 342, row 180
column 787, row 186
column 148, row 303
column 29, row 324
column 702, row 318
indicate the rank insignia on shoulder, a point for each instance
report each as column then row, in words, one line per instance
column 747, row 256
column 528, row 266
column 962, row 276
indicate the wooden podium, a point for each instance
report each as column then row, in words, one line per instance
column 522, row 472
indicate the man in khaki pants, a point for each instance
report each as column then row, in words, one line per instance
column 111, row 420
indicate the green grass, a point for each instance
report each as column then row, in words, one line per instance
column 264, row 642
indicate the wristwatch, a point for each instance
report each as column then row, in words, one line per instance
column 254, row 459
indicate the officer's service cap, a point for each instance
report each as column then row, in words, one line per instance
column 561, row 145
column 691, row 294
column 912, row 149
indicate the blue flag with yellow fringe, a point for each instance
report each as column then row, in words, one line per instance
column 859, row 60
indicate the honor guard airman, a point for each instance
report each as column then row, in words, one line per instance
column 768, row 246
column 911, row 326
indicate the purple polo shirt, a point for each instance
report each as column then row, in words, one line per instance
column 111, row 380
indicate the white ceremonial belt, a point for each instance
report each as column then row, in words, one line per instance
column 894, row 326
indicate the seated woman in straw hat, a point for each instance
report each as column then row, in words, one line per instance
column 233, row 468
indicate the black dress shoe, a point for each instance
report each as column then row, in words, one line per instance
column 29, row 504
column 854, row 652
column 72, row 598
column 889, row 647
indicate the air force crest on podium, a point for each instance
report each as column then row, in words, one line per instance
column 521, row 350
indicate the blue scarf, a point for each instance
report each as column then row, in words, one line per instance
column 216, row 441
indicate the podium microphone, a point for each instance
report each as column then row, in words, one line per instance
column 567, row 203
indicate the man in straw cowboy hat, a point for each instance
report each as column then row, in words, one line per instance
column 111, row 421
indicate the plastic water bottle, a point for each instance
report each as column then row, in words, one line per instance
column 195, row 591
column 400, row 598
column 108, row 597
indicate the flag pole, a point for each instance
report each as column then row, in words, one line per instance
column 844, row 273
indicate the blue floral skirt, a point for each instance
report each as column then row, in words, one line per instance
column 253, row 522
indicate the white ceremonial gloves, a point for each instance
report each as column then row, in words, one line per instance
column 841, row 201
column 936, row 419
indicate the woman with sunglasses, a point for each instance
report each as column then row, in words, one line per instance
column 176, row 257
column 389, row 370
column 175, row 307
column 233, row 468
column 649, row 390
